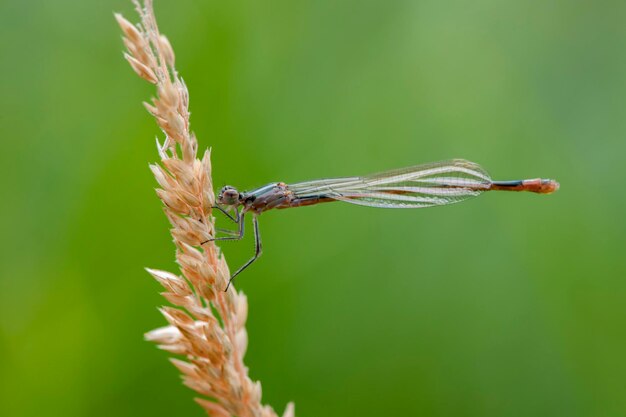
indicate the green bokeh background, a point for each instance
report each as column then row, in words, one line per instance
column 508, row 305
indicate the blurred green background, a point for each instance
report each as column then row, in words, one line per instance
column 507, row 305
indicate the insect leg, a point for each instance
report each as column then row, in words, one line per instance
column 235, row 219
column 237, row 237
column 257, row 251
column 228, row 231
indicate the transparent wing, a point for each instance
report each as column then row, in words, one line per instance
column 427, row 185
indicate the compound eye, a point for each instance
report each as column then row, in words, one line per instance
column 229, row 196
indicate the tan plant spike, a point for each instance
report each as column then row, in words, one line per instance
column 206, row 325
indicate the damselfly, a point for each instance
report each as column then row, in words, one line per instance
column 428, row 185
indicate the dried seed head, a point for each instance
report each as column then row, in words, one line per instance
column 189, row 198
column 186, row 302
column 162, row 177
column 189, row 152
column 182, row 171
column 171, row 282
column 290, row 411
column 212, row 408
column 165, row 335
column 168, row 94
column 142, row 70
column 130, row 31
column 177, row 123
column 173, row 202
column 187, row 236
column 177, row 318
column 175, row 349
column 185, row 368
column 242, row 341
column 209, row 328
column 166, row 50
column 151, row 109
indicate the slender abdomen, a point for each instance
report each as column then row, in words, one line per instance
column 309, row 201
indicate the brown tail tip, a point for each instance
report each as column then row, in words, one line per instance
column 542, row 186
column 536, row 185
column 549, row 186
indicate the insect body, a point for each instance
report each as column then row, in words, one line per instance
column 428, row 185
